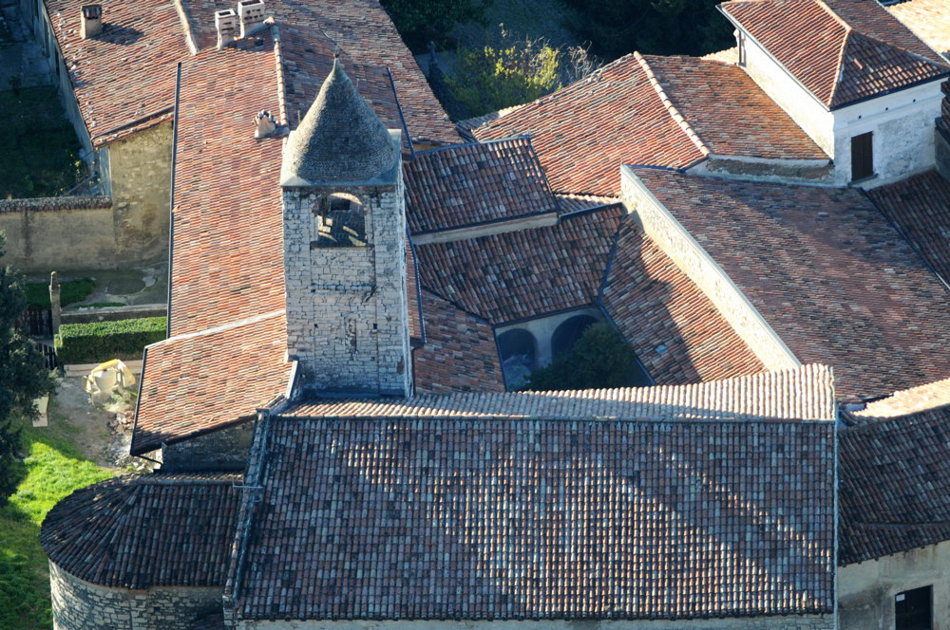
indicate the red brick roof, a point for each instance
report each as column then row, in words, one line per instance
column 834, row 280
column 459, row 354
column 227, row 251
column 920, row 208
column 661, row 111
column 475, row 183
column 540, row 519
column 584, row 132
column 125, row 75
column 364, row 32
column 839, row 50
column 676, row 332
column 141, row 532
column 729, row 113
column 196, row 383
column 895, row 485
column 523, row 274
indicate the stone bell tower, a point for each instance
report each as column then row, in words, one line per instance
column 345, row 247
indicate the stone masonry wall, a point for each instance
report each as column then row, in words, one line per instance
column 693, row 260
column 140, row 171
column 79, row 605
column 226, row 449
column 347, row 311
column 803, row 622
column 61, row 233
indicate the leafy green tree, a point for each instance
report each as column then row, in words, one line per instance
column 600, row 358
column 490, row 78
column 422, row 21
column 23, row 375
column 662, row 27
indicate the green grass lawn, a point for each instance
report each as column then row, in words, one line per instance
column 38, row 147
column 70, row 292
column 54, row 468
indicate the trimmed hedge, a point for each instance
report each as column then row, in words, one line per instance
column 102, row 341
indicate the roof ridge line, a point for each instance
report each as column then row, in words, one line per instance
column 840, row 20
column 839, row 65
column 279, row 70
column 670, row 107
column 222, row 328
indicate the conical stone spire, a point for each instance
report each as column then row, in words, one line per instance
column 339, row 140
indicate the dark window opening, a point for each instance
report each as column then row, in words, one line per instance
column 742, row 53
column 340, row 222
column 518, row 351
column 913, row 610
column 862, row 156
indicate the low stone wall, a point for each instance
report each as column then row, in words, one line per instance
column 226, row 449
column 80, row 605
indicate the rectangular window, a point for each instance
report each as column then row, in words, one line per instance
column 741, row 41
column 862, row 156
column 913, row 610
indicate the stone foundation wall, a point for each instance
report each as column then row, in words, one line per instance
column 803, row 622
column 79, row 605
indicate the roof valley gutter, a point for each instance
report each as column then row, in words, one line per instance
column 402, row 118
column 171, row 206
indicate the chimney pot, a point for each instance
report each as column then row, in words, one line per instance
column 251, row 13
column 225, row 23
column 91, row 21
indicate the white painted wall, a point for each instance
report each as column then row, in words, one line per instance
column 903, row 127
column 902, row 122
column 866, row 590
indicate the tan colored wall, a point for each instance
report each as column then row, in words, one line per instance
column 81, row 233
column 140, row 172
column 866, row 590
column 804, row 622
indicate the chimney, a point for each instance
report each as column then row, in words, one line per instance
column 266, row 124
column 225, row 22
column 251, row 13
column 91, row 24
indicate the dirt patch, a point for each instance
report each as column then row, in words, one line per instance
column 102, row 433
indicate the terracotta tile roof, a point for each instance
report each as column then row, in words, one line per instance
column 928, row 19
column 362, row 30
column 140, row 532
column 585, row 131
column 839, row 50
column 676, row 332
column 834, row 280
column 125, row 75
column 475, row 183
column 660, row 111
column 579, row 203
column 805, row 393
column 227, row 252
column 540, row 519
column 414, row 295
column 200, row 382
column 527, row 273
column 459, row 354
column 728, row 111
column 920, row 208
column 908, row 401
column 894, row 485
